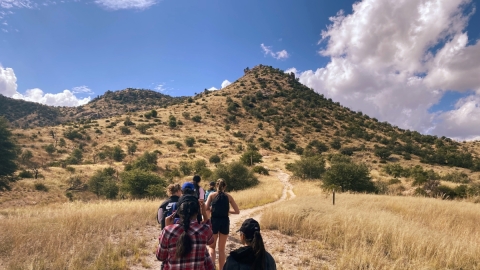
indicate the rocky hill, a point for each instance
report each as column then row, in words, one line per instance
column 30, row 114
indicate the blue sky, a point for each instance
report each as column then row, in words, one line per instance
column 181, row 47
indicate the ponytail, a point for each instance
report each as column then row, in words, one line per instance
column 221, row 185
column 259, row 251
column 184, row 243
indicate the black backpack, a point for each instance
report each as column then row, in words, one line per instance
column 167, row 211
column 220, row 205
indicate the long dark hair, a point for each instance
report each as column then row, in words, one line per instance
column 184, row 243
column 259, row 250
column 196, row 180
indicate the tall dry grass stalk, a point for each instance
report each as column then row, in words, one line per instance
column 269, row 190
column 382, row 232
column 100, row 235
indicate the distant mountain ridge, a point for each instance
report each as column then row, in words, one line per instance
column 24, row 114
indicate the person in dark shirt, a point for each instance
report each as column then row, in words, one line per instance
column 169, row 205
column 253, row 255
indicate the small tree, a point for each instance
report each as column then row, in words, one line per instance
column 251, row 157
column 125, row 130
column 172, row 121
column 154, row 113
column 139, row 183
column 50, row 149
column 349, row 176
column 128, row 122
column 310, row 167
column 382, row 153
column 336, row 144
column 143, row 128
column 117, row 153
column 198, row 165
column 236, row 175
column 185, row 167
column 62, row 142
column 103, row 183
column 197, row 118
column 146, row 162
column 190, row 141
column 214, row 159
column 8, row 154
column 132, row 148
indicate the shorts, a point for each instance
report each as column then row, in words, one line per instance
column 221, row 225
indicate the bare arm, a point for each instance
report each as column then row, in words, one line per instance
column 208, row 204
column 233, row 204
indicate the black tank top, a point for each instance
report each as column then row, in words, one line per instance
column 220, row 205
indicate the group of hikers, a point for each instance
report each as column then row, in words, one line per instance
column 192, row 223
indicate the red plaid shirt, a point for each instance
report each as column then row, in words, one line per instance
column 198, row 259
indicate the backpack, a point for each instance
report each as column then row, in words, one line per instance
column 220, row 205
column 169, row 209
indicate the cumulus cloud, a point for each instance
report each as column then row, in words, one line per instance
column 212, row 88
column 65, row 98
column 226, row 83
column 126, row 4
column 267, row 50
column 396, row 66
column 8, row 87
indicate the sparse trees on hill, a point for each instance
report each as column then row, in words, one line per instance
column 140, row 183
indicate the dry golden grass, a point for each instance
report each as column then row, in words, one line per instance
column 382, row 232
column 101, row 235
column 269, row 190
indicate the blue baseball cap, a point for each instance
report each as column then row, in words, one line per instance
column 188, row 185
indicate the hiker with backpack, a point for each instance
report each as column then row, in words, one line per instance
column 219, row 205
column 169, row 205
column 210, row 190
column 253, row 255
column 189, row 193
column 184, row 245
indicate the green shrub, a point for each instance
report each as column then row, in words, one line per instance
column 197, row 118
column 394, row 181
column 457, row 177
column 190, row 141
column 147, row 162
column 125, row 130
column 191, row 151
column 349, row 177
column 25, row 174
column 103, row 183
column 138, row 183
column 118, row 154
column 185, row 167
column 260, row 170
column 236, row 175
column 40, row 187
column 307, row 167
column 214, row 159
column 251, row 157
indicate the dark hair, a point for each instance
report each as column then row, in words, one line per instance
column 184, row 243
column 221, row 185
column 258, row 249
column 196, row 180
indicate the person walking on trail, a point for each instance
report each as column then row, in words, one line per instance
column 167, row 207
column 199, row 191
column 210, row 190
column 188, row 193
column 253, row 255
column 184, row 245
column 219, row 204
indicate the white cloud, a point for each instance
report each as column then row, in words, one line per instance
column 8, row 4
column 65, row 98
column 8, row 82
column 283, row 54
column 226, row 83
column 8, row 87
column 126, row 4
column 82, row 90
column 160, row 88
column 385, row 65
column 212, row 88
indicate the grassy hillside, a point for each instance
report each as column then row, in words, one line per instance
column 266, row 109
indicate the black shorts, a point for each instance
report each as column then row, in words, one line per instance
column 221, row 225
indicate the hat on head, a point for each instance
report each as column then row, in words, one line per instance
column 188, row 185
column 249, row 227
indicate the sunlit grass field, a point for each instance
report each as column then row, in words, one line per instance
column 382, row 232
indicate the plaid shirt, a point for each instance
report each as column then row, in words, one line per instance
column 198, row 259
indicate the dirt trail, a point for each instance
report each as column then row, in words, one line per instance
column 150, row 262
